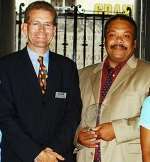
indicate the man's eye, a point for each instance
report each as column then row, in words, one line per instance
column 35, row 23
column 127, row 36
column 48, row 25
column 111, row 35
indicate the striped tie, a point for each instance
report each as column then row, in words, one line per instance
column 42, row 76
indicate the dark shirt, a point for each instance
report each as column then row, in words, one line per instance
column 105, row 72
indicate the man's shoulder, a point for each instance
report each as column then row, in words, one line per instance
column 90, row 69
column 142, row 64
column 142, row 70
column 65, row 61
column 10, row 58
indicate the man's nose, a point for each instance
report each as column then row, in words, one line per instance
column 41, row 27
column 119, row 38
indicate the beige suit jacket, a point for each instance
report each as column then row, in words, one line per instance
column 121, row 106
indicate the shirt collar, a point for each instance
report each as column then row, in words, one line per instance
column 108, row 67
column 34, row 56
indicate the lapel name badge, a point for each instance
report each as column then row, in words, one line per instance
column 62, row 95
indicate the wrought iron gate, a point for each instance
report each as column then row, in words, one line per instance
column 79, row 36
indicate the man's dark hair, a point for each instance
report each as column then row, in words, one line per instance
column 37, row 5
column 121, row 17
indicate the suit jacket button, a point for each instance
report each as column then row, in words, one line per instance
column 92, row 153
column 43, row 103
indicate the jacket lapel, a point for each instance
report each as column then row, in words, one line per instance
column 123, row 75
column 95, row 82
column 54, row 76
column 28, row 72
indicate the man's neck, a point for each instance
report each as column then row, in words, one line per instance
column 112, row 64
column 39, row 51
column 115, row 64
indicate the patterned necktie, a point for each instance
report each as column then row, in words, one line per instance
column 107, row 84
column 104, row 90
column 42, row 76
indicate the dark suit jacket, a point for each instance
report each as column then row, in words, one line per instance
column 31, row 122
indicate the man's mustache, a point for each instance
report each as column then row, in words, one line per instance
column 118, row 46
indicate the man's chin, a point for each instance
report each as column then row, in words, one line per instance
column 118, row 59
column 42, row 45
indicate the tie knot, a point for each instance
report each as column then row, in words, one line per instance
column 40, row 60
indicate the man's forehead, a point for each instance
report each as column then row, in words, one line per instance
column 120, row 25
column 120, row 22
column 40, row 14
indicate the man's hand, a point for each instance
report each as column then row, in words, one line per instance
column 48, row 155
column 105, row 131
column 87, row 138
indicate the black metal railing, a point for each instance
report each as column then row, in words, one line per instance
column 79, row 36
column 19, row 22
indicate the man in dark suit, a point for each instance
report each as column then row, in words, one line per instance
column 40, row 103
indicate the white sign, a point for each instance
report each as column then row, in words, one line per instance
column 109, row 6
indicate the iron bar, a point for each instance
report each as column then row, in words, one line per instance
column 65, row 35
column 56, row 38
column 84, row 42
column 19, row 23
column 102, row 36
column 93, row 48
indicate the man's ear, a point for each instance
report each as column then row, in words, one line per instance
column 55, row 30
column 24, row 29
column 135, row 44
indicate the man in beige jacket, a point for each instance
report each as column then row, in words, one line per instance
column 116, row 134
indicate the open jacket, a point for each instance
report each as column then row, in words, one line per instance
column 29, row 121
column 121, row 106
